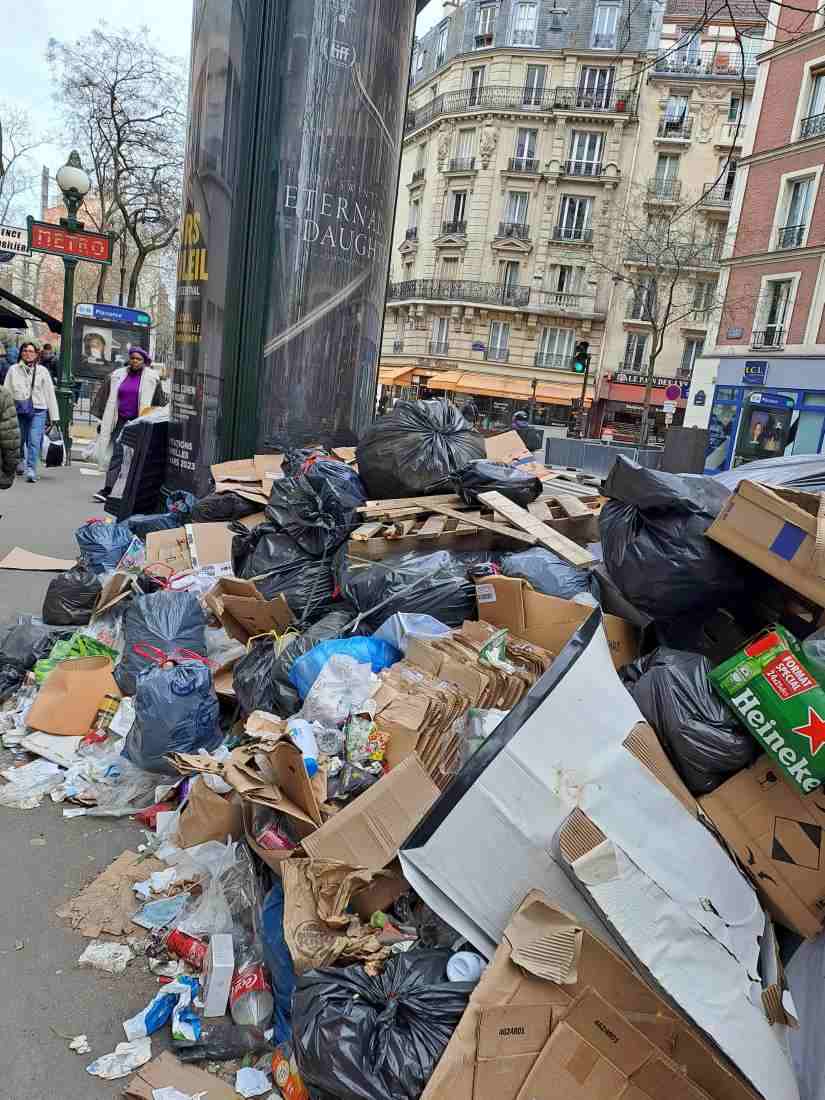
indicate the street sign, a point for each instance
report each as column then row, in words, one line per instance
column 14, row 241
column 116, row 315
column 755, row 372
column 673, row 393
column 71, row 244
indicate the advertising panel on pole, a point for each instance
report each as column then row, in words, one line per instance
column 13, row 241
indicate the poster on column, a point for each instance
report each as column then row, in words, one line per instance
column 339, row 119
column 209, row 189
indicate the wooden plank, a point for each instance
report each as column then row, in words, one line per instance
column 486, row 525
column 539, row 510
column 421, row 504
column 434, row 526
column 572, row 506
column 366, row 531
column 553, row 540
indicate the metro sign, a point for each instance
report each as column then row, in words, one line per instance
column 71, row 244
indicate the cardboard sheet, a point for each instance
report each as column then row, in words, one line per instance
column 106, row 906
column 514, row 795
column 191, row 547
column 167, row 1072
column 18, row 558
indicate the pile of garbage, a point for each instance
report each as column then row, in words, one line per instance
column 458, row 776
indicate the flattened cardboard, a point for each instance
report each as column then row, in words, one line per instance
column 244, row 612
column 507, row 447
column 241, row 469
column 508, row 1030
column 192, row 547
column 69, row 699
column 18, row 558
column 116, row 588
column 546, row 620
column 779, row 837
column 106, row 905
column 209, row 816
column 167, row 1072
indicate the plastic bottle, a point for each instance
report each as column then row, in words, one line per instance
column 303, row 735
column 250, row 995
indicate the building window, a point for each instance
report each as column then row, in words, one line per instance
column 585, row 154
column 556, row 347
column 525, row 21
column 421, row 157
column 419, row 60
column 574, row 218
column 525, row 153
column 814, row 121
column 498, row 347
column 509, row 274
column 704, row 297
column 415, row 210
column 666, row 180
column 440, row 336
column 605, row 27
column 690, row 352
column 449, row 269
column 595, row 87
column 515, row 215
column 476, row 85
column 465, row 144
column 642, row 305
column 441, row 45
column 568, row 279
column 739, row 109
column 688, row 50
column 458, row 206
column 794, row 225
column 534, row 85
column 770, row 332
column 485, row 25
column 634, row 351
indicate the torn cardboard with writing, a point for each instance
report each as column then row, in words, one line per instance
column 167, row 1072
column 106, row 906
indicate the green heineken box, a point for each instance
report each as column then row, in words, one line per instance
column 779, row 702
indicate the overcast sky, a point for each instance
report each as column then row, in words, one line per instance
column 25, row 79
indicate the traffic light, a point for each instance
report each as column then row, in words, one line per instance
column 581, row 357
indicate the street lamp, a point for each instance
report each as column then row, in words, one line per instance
column 74, row 183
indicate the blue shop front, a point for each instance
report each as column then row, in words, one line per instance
column 765, row 408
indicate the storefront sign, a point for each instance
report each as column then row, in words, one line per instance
column 755, row 372
column 700, row 398
column 13, row 241
column 772, row 400
column 116, row 315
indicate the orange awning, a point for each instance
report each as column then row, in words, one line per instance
column 395, row 376
column 501, row 385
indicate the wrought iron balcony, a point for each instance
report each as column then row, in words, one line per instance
column 462, row 164
column 553, row 362
column 418, row 175
column 676, row 129
column 412, row 233
column 562, row 301
column 812, row 126
column 438, row 347
column 582, row 168
column 663, row 189
column 457, row 227
column 523, row 164
column 581, row 99
column 679, row 254
column 771, row 337
column 514, row 229
column 459, row 290
column 718, row 194
column 790, row 236
column 714, row 62
column 497, row 355
column 582, row 234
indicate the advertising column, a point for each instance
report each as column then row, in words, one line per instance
column 338, row 112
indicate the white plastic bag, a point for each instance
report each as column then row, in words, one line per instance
column 342, row 687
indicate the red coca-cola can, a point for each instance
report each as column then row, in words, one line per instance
column 186, row 947
column 250, row 997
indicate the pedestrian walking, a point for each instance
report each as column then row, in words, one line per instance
column 470, row 412
column 9, row 439
column 49, row 361
column 32, row 389
column 126, row 391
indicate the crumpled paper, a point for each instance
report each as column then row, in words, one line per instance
column 124, row 1059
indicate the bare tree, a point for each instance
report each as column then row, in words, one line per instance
column 125, row 100
column 17, row 173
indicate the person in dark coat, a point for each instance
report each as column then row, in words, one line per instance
column 9, row 439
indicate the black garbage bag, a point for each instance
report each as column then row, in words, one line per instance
column 11, row 678
column 315, row 518
column 273, row 561
column 415, row 449
column 102, row 545
column 363, row 1038
column 700, row 735
column 167, row 621
column 546, row 572
column 71, row 597
column 653, row 539
column 295, row 459
column 428, row 584
column 223, row 508
column 347, row 486
column 24, row 644
column 485, row 476
column 176, row 710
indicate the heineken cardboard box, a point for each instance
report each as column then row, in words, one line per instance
column 778, row 701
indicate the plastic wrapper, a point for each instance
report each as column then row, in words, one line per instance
column 102, row 545
column 223, row 508
column 79, row 644
column 312, row 514
column 372, row 651
column 71, row 597
column 485, row 476
column 472, row 729
column 276, row 565
column 397, row 1026
column 653, row 539
column 341, row 688
column 398, row 629
column 416, row 449
column 176, row 710
column 165, row 620
column 432, row 584
column 546, row 572
column 348, row 782
column 704, row 741
column 28, row 784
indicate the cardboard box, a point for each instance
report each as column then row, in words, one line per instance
column 774, row 529
column 779, row 837
column 546, row 620
column 244, row 612
column 552, row 976
column 218, row 968
column 194, row 546
column 209, row 816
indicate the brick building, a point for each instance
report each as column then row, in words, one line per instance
column 761, row 390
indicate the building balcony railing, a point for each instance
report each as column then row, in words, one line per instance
column 580, row 99
column 523, row 164
column 562, row 301
column 771, row 337
column 677, row 129
column 462, row 164
column 664, row 190
column 590, row 168
column 458, row 228
column 411, row 234
column 717, row 194
column 582, row 234
column 553, row 362
column 497, row 355
column 418, row 175
column 790, row 236
column 812, row 126
column 679, row 254
column 438, row 347
column 459, row 290
column 708, row 63
column 518, row 230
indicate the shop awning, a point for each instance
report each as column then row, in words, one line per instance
column 502, row 385
column 29, row 311
column 395, row 376
column 10, row 319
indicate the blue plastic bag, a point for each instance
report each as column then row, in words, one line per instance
column 165, row 620
column 367, row 651
column 547, row 573
column 176, row 710
column 279, row 962
column 102, row 545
